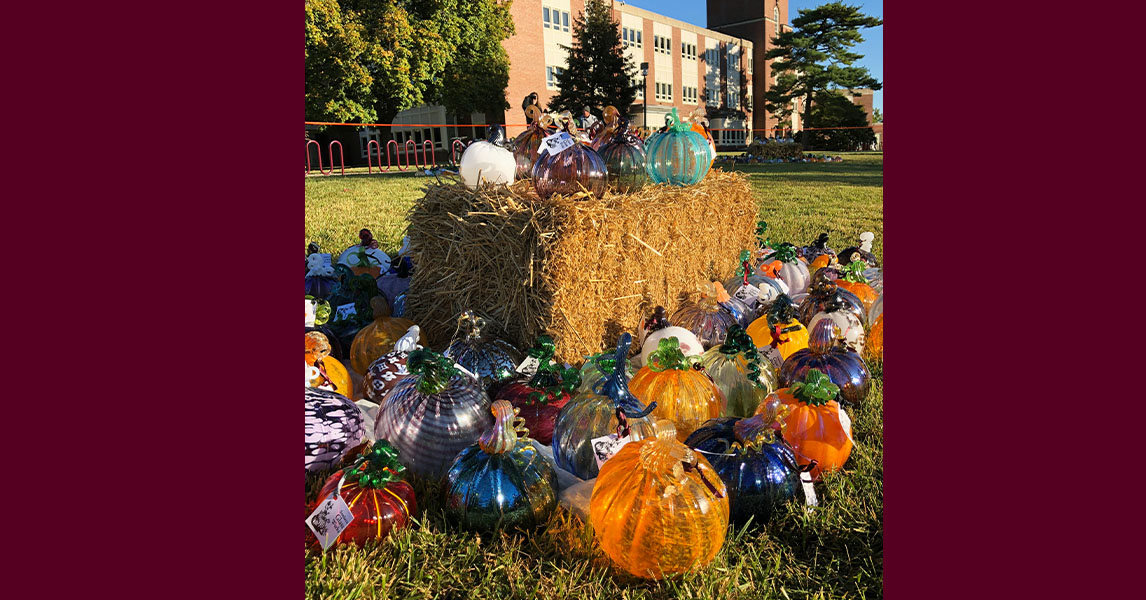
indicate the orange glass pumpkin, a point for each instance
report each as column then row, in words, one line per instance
column 684, row 395
column 377, row 339
column 780, row 329
column 332, row 375
column 874, row 347
column 813, row 426
column 658, row 508
column 852, row 279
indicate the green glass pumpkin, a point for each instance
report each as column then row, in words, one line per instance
column 625, row 161
column 679, row 156
column 736, row 368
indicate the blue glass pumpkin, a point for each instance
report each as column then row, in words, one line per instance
column 502, row 480
column 826, row 354
column 624, row 159
column 679, row 156
column 494, row 361
column 756, row 465
column 591, row 415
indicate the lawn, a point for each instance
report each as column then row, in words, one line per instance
column 835, row 551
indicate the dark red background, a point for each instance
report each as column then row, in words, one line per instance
column 153, row 182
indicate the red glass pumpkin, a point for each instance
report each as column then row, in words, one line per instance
column 541, row 397
column 378, row 499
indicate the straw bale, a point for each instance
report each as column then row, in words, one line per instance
column 580, row 268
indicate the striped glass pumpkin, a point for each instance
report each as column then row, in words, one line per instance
column 569, row 171
column 333, row 427
column 679, row 156
column 625, row 161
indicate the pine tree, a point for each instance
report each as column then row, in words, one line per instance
column 597, row 73
column 813, row 59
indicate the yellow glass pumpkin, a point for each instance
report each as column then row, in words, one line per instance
column 779, row 329
column 874, row 347
column 377, row 339
column 318, row 355
column 658, row 508
column 684, row 395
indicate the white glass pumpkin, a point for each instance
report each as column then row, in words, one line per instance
column 850, row 327
column 689, row 344
column 488, row 160
column 365, row 254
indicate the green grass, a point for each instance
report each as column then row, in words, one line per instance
column 836, row 551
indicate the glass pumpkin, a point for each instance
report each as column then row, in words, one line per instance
column 598, row 413
column 526, row 145
column 818, row 248
column 843, row 367
column 385, row 372
column 813, row 426
column 488, row 161
column 493, row 360
column 736, row 369
column 873, row 348
column 699, row 124
column 317, row 314
column 375, row 493
column 850, row 329
column 711, row 316
column 541, row 396
column 753, row 288
column 876, row 311
column 837, row 299
column 433, row 414
column 331, row 374
column 502, row 480
column 658, row 508
column 319, row 274
column 682, row 394
column 779, row 329
column 333, row 427
column 758, row 468
column 377, row 338
column 679, row 156
column 624, row 158
column 572, row 170
column 356, row 291
column 365, row 257
column 657, row 328
column 790, row 268
column 611, row 118
column 853, row 280
column 598, row 367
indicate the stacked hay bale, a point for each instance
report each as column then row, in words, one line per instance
column 581, row 268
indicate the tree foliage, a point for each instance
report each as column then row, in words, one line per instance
column 597, row 73
column 476, row 78
column 837, row 110
column 337, row 83
column 814, row 58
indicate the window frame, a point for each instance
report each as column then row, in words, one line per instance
column 545, row 16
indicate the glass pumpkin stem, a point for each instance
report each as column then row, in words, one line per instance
column 816, row 389
column 785, row 252
column 695, row 466
column 615, row 385
column 668, row 355
column 432, row 370
column 374, row 469
column 507, row 428
column 471, row 324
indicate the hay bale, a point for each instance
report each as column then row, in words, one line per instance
column 583, row 269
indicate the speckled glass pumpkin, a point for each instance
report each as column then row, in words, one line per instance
column 377, row 338
column 332, row 375
column 502, row 480
column 375, row 493
column 683, row 394
column 492, row 360
column 333, row 427
column 843, row 367
column 658, row 508
column 873, row 348
column 779, row 329
column 526, row 145
column 711, row 315
column 758, row 467
column 569, row 171
column 679, row 156
column 540, row 397
column 591, row 415
column 791, row 269
column 433, row 414
column 624, row 158
column 385, row 372
column 813, row 426
column 738, row 372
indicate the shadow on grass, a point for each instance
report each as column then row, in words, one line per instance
column 850, row 175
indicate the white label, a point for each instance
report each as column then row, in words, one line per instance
column 529, row 366
column 345, row 312
column 329, row 519
column 772, row 355
column 310, row 309
column 846, row 421
column 748, row 293
column 555, row 143
column 809, row 489
column 605, row 447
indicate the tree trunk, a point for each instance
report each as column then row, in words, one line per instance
column 804, row 121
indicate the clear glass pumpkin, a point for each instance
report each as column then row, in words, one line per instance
column 569, row 171
column 624, row 158
column 432, row 414
column 598, row 367
column 502, row 480
column 767, row 290
column 658, row 508
column 334, row 425
column 849, row 328
column 679, row 156
column 591, row 415
column 365, row 257
column 526, row 145
column 789, row 267
column 377, row 338
column 729, row 366
column 494, row 361
column 488, row 160
column 876, row 311
column 844, row 368
column 683, row 395
column 837, row 299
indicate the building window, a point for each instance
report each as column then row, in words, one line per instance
column 688, row 51
column 545, row 16
column 750, row 70
column 639, row 43
column 564, row 21
column 631, row 38
column 776, row 17
column 662, row 44
column 551, row 74
column 664, row 91
column 689, row 94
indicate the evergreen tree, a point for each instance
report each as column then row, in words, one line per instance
column 813, row 59
column 837, row 110
column 597, row 73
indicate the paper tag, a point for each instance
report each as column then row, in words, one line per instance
column 309, row 314
column 772, row 355
column 529, row 366
column 606, row 446
column 809, row 489
column 345, row 312
column 329, row 519
column 748, row 293
column 846, row 421
column 555, row 143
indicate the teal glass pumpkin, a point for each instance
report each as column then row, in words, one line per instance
column 624, row 159
column 502, row 480
column 679, row 156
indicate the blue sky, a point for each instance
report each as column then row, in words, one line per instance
column 695, row 11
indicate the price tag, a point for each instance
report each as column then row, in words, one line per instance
column 846, row 421
column 556, row 143
column 606, row 446
column 345, row 312
column 809, row 489
column 310, row 308
column 529, row 366
column 329, row 519
column 772, row 355
column 748, row 293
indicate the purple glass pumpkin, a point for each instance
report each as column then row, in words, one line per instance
column 526, row 145
column 625, row 160
column 569, row 171
column 844, row 368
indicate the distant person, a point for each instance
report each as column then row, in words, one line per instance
column 587, row 119
column 530, row 100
